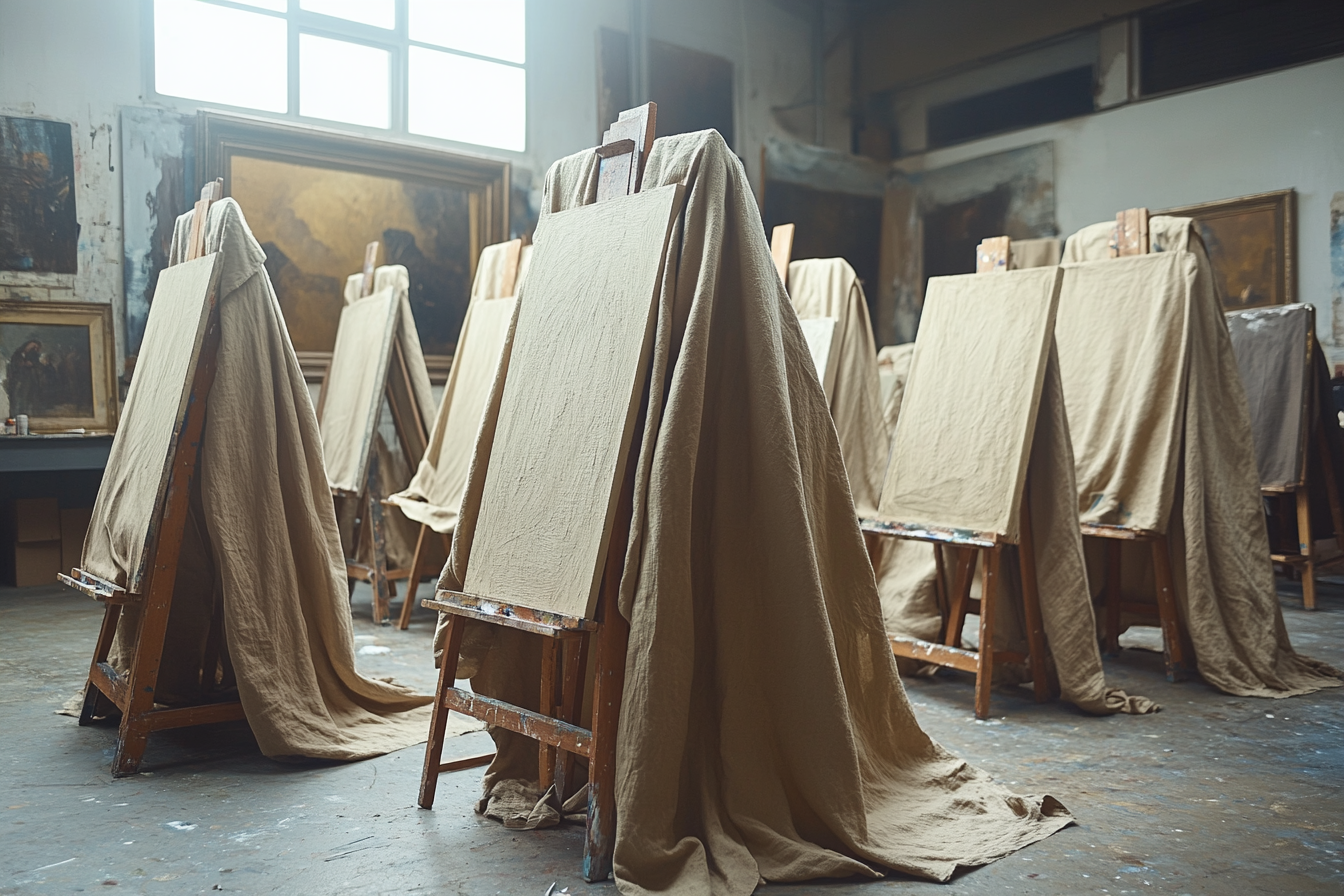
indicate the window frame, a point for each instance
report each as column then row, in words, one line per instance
column 396, row 41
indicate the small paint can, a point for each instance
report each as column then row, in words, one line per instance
column 21, row 424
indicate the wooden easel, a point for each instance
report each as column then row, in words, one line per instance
column 425, row 540
column 781, row 250
column 413, row 434
column 1317, row 458
column 133, row 692
column 968, row 548
column 623, row 153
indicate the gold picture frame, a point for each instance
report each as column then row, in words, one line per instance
column 1252, row 243
column 57, row 365
column 262, row 161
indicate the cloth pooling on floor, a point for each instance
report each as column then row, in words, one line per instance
column 262, row 539
column 1162, row 441
column 765, row 733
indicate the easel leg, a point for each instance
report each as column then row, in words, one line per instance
column 1111, row 596
column 429, row 777
column 1306, row 546
column 571, row 704
column 378, row 545
column 940, row 577
column 1173, row 641
column 413, row 583
column 142, row 680
column 94, row 701
column 1031, row 609
column 612, row 638
column 984, row 678
column 550, row 647
column 961, row 595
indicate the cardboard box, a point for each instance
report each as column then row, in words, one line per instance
column 37, row 519
column 74, row 527
column 37, row 563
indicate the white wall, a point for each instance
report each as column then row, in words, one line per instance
column 81, row 60
column 76, row 62
column 1271, row 132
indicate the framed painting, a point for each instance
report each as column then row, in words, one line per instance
column 314, row 198
column 1252, row 242
column 57, row 365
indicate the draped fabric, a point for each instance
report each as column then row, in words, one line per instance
column 764, row 734
column 1163, row 441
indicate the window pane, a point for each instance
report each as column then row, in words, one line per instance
column 183, row 68
column 276, row 5
column 379, row 13
column 341, row 81
column 497, row 29
column 459, row 98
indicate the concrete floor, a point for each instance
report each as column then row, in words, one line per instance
column 1215, row 794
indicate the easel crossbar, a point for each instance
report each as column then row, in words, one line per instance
column 944, row 655
column 113, row 686
column 526, row 722
column 966, row 538
column 540, row 622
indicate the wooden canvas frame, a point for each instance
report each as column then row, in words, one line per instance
column 97, row 319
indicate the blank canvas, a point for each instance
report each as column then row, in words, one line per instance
column 576, row 369
column 147, row 435
column 959, row 457
column 354, row 387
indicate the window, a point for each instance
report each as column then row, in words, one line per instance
column 451, row 69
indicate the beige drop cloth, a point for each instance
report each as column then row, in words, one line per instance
column 346, row 441
column 435, row 493
column 262, row 535
column 828, row 287
column 765, row 733
column 1162, row 439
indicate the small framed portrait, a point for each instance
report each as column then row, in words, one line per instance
column 56, row 366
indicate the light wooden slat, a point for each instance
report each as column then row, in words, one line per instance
column 523, row 721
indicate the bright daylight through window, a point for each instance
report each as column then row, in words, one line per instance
column 451, row 69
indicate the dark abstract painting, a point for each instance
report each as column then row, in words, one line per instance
column 313, row 224
column 38, row 228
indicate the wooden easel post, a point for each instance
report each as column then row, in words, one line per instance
column 781, row 250
column 133, row 693
column 622, row 155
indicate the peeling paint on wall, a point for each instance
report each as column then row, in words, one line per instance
column 157, row 175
